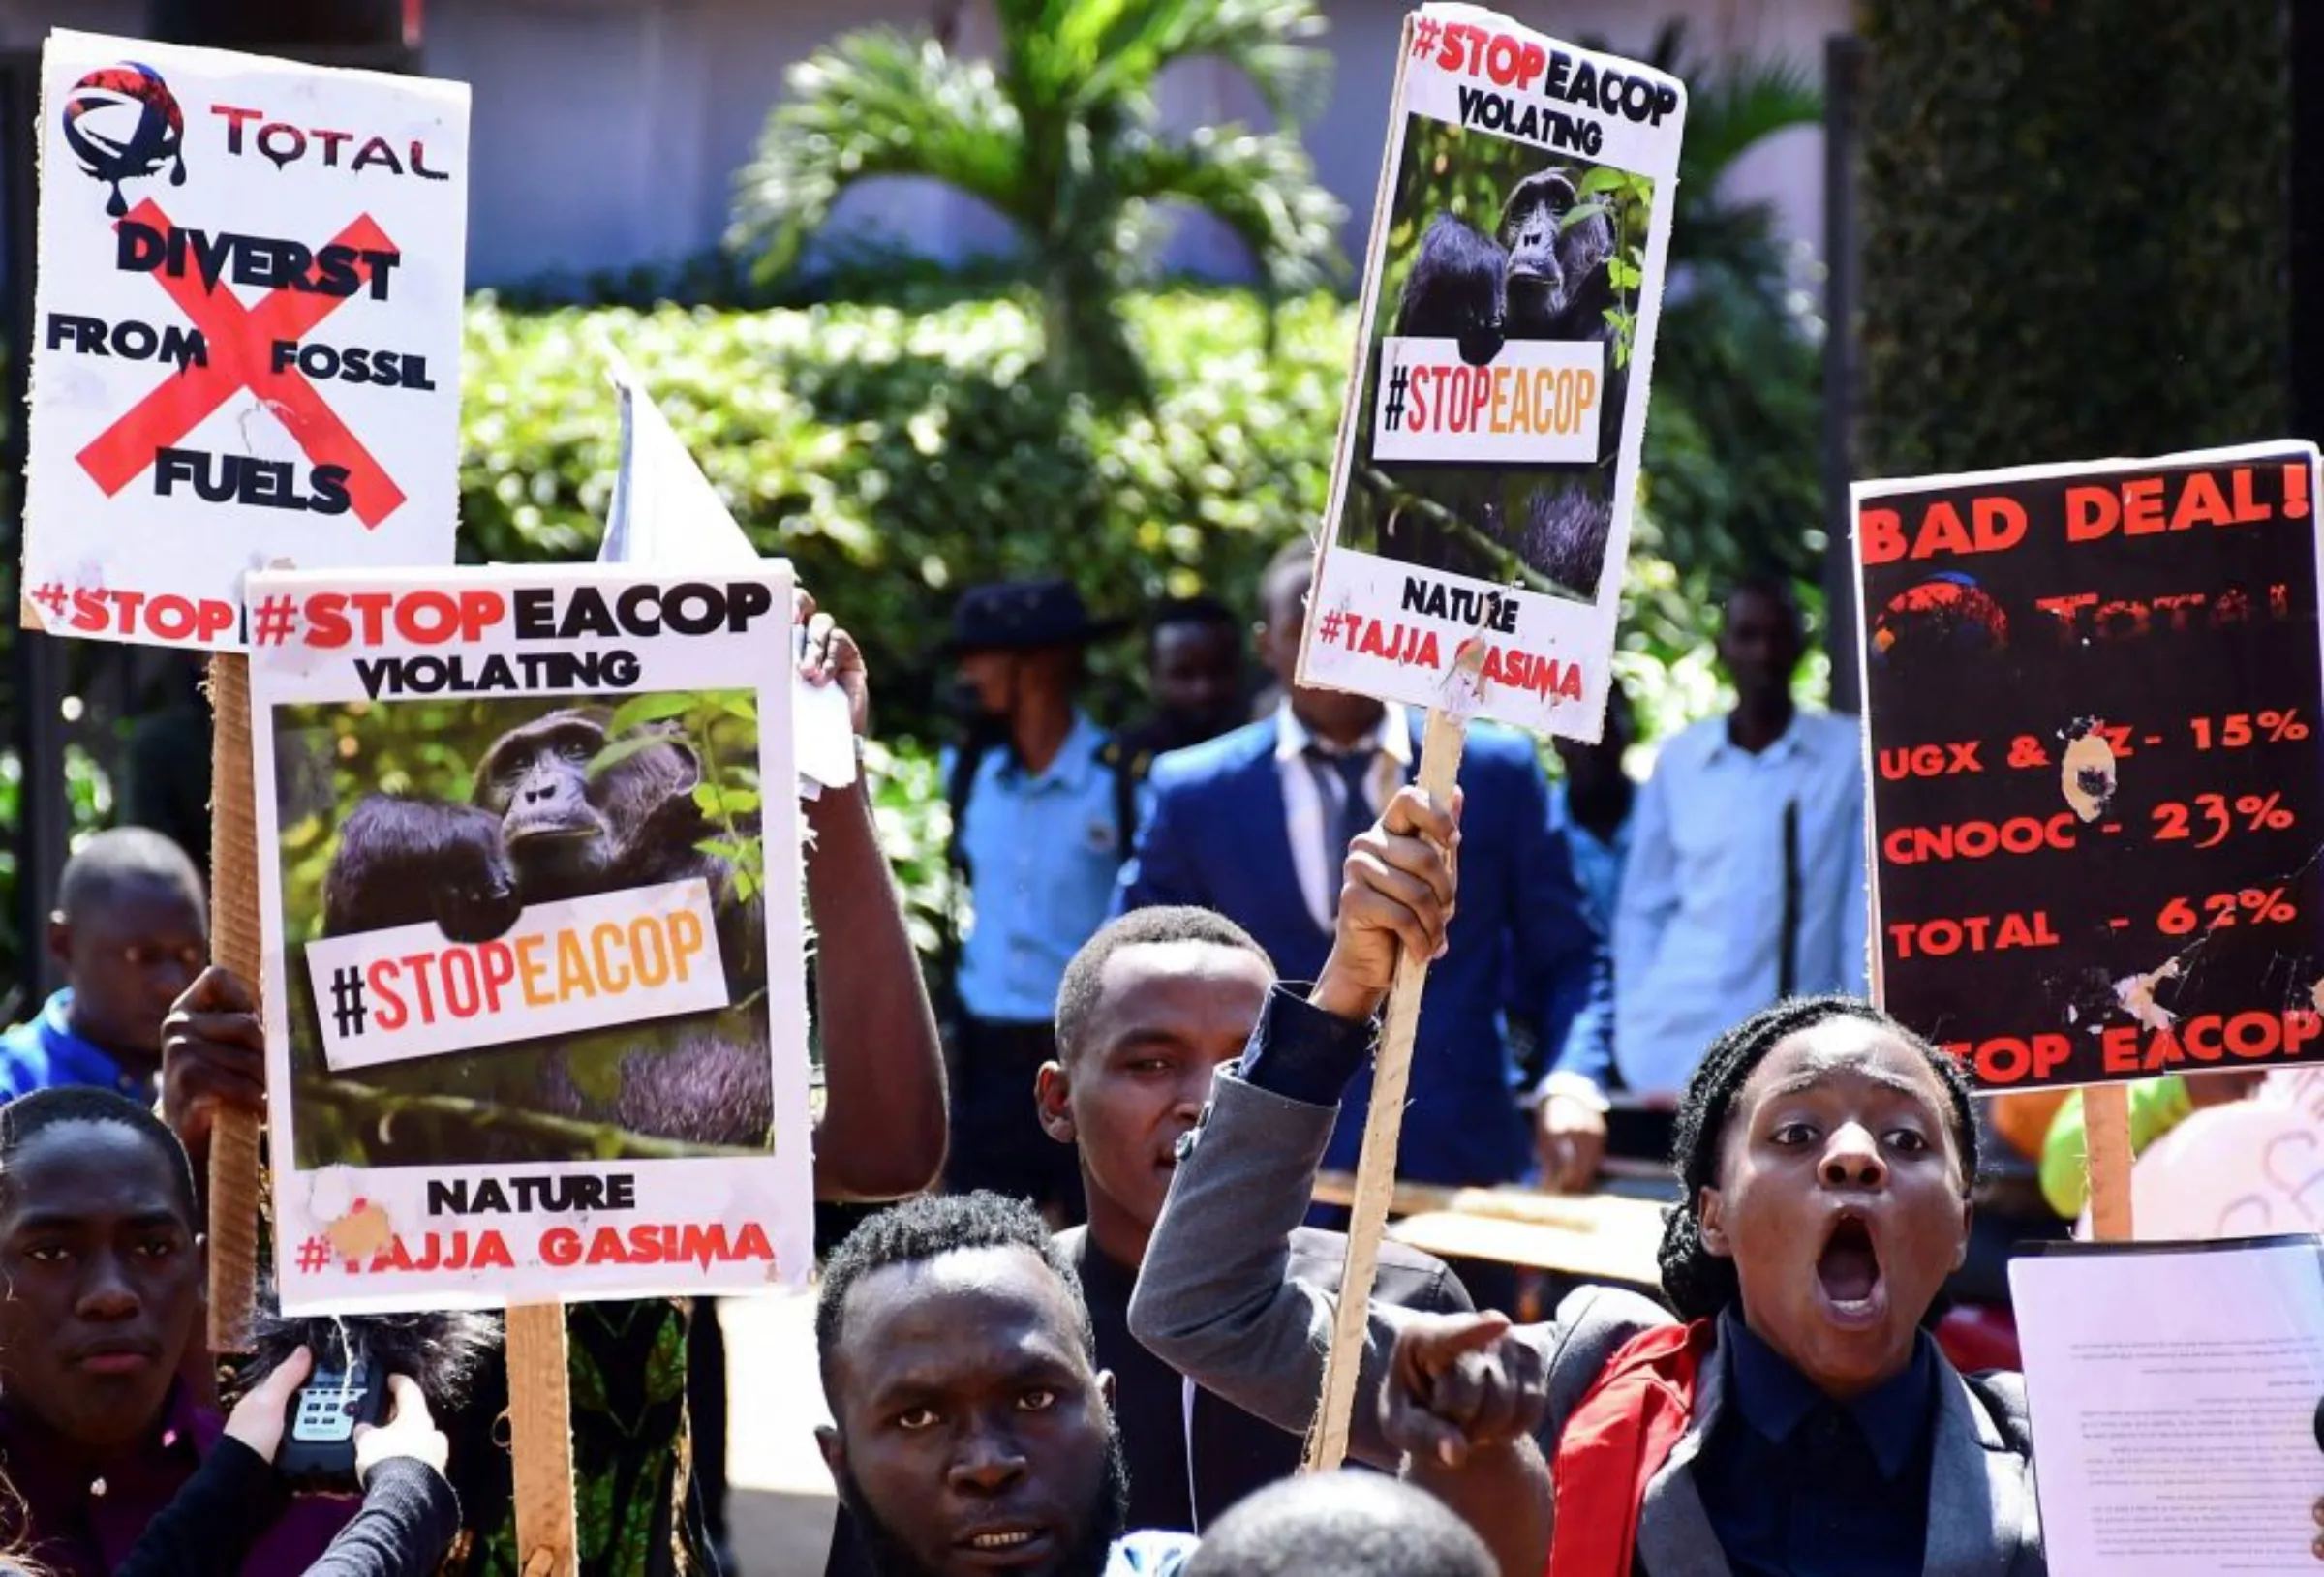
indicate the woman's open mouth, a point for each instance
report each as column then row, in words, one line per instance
column 1848, row 1273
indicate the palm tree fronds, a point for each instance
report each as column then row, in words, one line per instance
column 1260, row 186
column 1271, row 42
column 872, row 105
column 1731, row 113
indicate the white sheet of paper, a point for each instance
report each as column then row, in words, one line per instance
column 666, row 514
column 2173, row 1392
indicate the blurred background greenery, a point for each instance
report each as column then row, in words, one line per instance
column 904, row 428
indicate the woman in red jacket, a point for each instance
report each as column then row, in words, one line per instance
column 1798, row 1421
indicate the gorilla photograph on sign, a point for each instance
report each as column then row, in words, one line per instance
column 1508, row 310
column 533, row 929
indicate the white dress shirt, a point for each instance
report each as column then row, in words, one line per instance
column 1697, row 933
column 1306, row 809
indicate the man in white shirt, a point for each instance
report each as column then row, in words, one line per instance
column 1745, row 882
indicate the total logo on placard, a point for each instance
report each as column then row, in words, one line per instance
column 122, row 124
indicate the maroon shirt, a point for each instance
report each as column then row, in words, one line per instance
column 73, row 1528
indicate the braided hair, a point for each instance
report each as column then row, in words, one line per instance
column 1699, row 1282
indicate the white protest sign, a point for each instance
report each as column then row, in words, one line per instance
column 564, row 968
column 246, row 332
column 531, row 799
column 1480, row 510
column 2247, row 1169
column 666, row 516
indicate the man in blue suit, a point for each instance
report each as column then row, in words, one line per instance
column 1255, row 824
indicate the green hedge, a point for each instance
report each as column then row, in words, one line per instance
column 2076, row 230
column 896, row 457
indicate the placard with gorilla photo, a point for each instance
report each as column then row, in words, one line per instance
column 1490, row 445
column 534, row 949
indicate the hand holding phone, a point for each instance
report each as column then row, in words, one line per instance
column 346, row 1391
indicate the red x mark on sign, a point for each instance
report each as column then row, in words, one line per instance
column 240, row 340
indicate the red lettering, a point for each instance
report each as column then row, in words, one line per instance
column 388, row 1010
column 326, row 621
column 235, row 119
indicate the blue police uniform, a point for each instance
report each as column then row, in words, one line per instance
column 1043, row 850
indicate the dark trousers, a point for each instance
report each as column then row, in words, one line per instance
column 998, row 1141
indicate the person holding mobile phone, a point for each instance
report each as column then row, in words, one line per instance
column 408, row 1518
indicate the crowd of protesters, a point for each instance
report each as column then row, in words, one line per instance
column 1090, row 1340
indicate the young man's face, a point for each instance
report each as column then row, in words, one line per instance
column 104, row 1282
column 1759, row 644
column 1167, row 1015
column 129, row 956
column 1196, row 671
column 972, row 1434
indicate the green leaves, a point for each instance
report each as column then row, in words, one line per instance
column 649, row 709
column 2075, row 230
column 1064, row 139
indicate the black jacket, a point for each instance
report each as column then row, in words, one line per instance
column 1185, row 1488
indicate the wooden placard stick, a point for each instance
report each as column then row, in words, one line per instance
column 540, row 1440
column 2106, row 1148
column 235, row 943
column 1376, row 1168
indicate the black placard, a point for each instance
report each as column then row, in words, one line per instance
column 2094, row 707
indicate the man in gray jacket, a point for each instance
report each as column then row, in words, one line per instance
column 1800, row 1421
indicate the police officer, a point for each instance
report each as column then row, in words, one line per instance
column 1043, row 811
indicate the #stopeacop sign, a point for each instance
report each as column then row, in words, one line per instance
column 246, row 332
column 1480, row 510
column 534, row 950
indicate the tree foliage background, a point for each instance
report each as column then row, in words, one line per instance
column 2076, row 230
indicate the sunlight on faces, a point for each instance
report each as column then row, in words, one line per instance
column 103, row 1278
column 1167, row 1015
column 1841, row 1201
column 971, row 1427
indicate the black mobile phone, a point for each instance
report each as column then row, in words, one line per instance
column 319, row 1442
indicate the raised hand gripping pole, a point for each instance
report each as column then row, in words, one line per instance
column 1376, row 1168
column 235, row 943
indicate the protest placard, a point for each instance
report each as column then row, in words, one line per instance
column 246, row 332
column 1489, row 451
column 2092, row 693
column 535, row 994
column 666, row 515
column 1488, row 448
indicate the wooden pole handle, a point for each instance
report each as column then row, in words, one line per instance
column 1376, row 1168
column 2106, row 1147
column 234, row 943
column 540, row 1440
